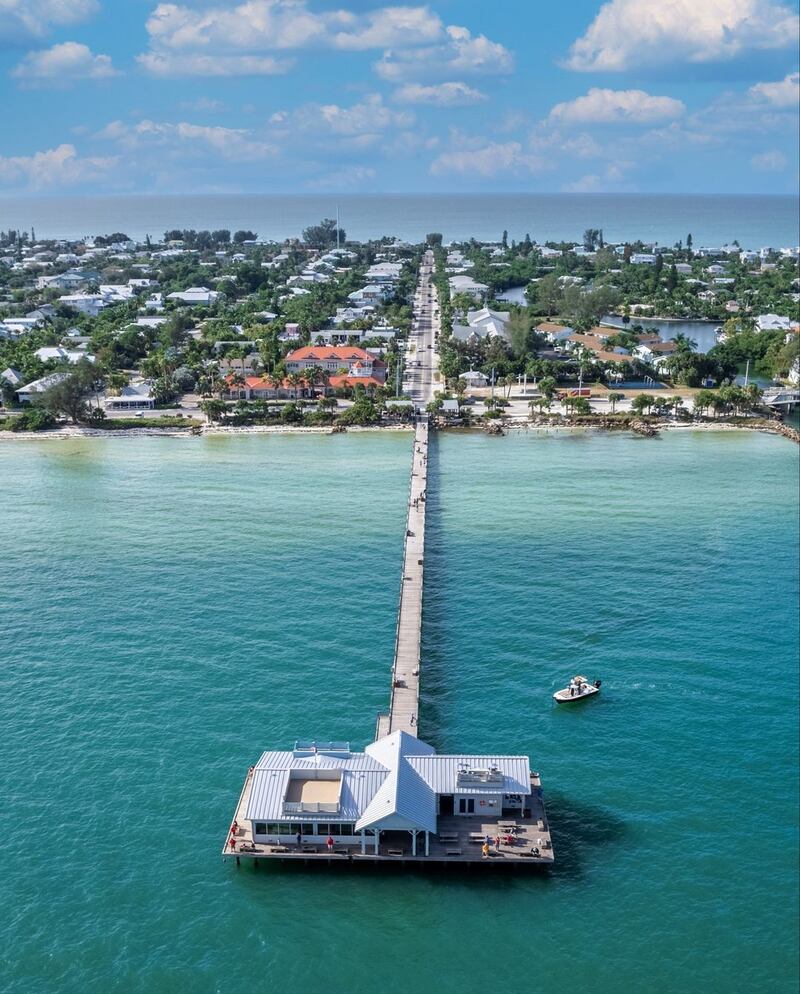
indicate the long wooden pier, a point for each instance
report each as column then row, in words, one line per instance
column 403, row 714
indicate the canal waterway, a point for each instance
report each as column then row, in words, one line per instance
column 171, row 607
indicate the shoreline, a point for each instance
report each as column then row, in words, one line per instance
column 516, row 425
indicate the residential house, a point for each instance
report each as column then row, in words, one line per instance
column 469, row 286
column 474, row 378
column 266, row 388
column 775, row 322
column 85, row 303
column 373, row 293
column 46, row 354
column 358, row 362
column 553, row 332
column 28, row 393
column 135, row 397
column 195, row 295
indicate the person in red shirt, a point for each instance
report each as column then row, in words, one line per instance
column 330, row 843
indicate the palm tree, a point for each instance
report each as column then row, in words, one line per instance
column 296, row 381
column 613, row 399
column 684, row 344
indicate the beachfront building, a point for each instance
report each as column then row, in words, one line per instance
column 398, row 791
column 267, row 388
column 135, row 397
column 28, row 393
column 355, row 361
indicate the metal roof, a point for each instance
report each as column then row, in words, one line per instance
column 441, row 773
column 404, row 800
column 392, row 784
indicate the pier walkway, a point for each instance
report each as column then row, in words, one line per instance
column 403, row 714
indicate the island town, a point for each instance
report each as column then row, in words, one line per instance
column 213, row 330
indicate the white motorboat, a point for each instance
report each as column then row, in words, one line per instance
column 578, row 690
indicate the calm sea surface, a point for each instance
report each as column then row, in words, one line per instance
column 170, row 607
column 755, row 221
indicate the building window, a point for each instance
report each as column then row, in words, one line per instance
column 261, row 828
column 466, row 805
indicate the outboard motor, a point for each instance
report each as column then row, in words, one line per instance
column 597, row 683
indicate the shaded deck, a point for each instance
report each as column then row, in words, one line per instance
column 458, row 840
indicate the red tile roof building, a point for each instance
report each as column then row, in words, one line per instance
column 357, row 362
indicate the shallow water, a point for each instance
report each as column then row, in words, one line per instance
column 171, row 606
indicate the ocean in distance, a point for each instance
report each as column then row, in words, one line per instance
column 755, row 221
column 170, row 607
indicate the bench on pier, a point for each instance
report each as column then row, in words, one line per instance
column 278, row 849
column 478, row 837
column 448, row 836
column 452, row 852
column 309, row 849
column 396, row 852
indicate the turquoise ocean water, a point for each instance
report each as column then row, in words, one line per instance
column 170, row 607
column 712, row 220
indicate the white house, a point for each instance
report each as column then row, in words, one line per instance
column 62, row 355
column 195, row 295
column 85, row 303
column 775, row 322
column 136, row 397
column 30, row 391
column 373, row 293
column 474, row 378
column 465, row 284
column 483, row 323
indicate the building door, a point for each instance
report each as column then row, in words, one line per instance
column 446, row 804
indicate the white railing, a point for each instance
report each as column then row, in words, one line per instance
column 311, row 807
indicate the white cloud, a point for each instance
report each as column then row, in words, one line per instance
column 62, row 64
column 459, row 54
column 389, row 27
column 609, row 180
column 783, row 93
column 417, row 43
column 234, row 144
column 348, row 178
column 601, row 106
column 257, row 25
column 769, row 162
column 54, row 167
column 202, row 104
column 365, row 119
column 23, row 20
column 440, row 95
column 487, row 159
column 631, row 33
column 166, row 64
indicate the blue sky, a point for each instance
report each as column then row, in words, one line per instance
column 226, row 96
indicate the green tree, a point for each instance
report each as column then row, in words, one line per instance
column 643, row 402
column 323, row 235
column 614, row 399
column 548, row 387
column 70, row 395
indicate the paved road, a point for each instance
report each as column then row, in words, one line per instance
column 419, row 379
